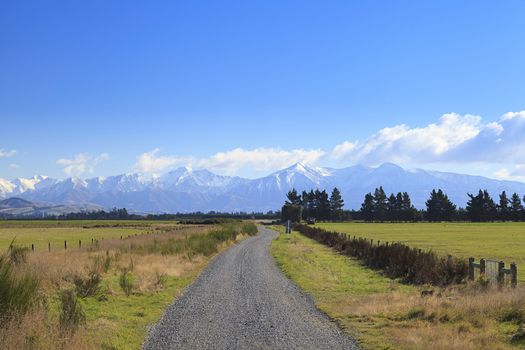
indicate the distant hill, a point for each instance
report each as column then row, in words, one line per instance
column 19, row 207
column 188, row 190
column 15, row 203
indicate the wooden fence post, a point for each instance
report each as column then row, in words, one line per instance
column 65, row 244
column 482, row 267
column 49, row 246
column 471, row 269
column 501, row 273
column 32, row 247
column 79, row 244
column 513, row 275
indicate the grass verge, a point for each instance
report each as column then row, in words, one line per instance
column 384, row 314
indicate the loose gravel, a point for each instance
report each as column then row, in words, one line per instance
column 243, row 301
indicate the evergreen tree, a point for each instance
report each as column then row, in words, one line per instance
column 367, row 208
column 293, row 198
column 309, row 204
column 336, row 204
column 481, row 207
column 322, row 205
column 408, row 212
column 516, row 208
column 392, row 212
column 503, row 207
column 380, row 204
column 440, row 207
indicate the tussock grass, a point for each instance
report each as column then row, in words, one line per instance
column 18, row 291
column 105, row 295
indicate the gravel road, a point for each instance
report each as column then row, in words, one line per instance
column 243, row 301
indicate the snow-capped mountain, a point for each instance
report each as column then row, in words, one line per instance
column 185, row 189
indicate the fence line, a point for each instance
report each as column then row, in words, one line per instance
column 494, row 271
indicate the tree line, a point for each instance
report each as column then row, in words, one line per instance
column 313, row 204
column 378, row 206
column 123, row 214
column 480, row 208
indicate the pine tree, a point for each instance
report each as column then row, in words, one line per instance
column 516, row 208
column 367, row 208
column 503, row 207
column 481, row 207
column 322, row 205
column 380, row 204
column 293, row 198
column 408, row 211
column 392, row 213
column 336, row 204
column 439, row 207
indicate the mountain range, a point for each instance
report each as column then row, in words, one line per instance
column 188, row 190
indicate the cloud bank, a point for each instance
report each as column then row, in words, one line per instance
column 230, row 162
column 81, row 163
column 454, row 138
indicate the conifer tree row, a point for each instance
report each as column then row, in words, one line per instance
column 378, row 206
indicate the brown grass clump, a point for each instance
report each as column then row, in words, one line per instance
column 460, row 317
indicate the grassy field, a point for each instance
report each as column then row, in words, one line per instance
column 501, row 241
column 156, row 266
column 42, row 232
column 384, row 314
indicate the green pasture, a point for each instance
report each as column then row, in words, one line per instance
column 42, row 232
column 499, row 241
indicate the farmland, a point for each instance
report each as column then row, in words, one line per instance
column 42, row 232
column 500, row 241
column 116, row 288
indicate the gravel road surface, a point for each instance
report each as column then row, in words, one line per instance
column 243, row 301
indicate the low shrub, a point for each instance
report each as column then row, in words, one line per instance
column 161, row 279
column 512, row 313
column 398, row 260
column 17, row 291
column 204, row 244
column 249, row 229
column 18, row 255
column 88, row 285
column 71, row 313
column 127, row 281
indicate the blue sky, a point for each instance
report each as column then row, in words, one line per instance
column 243, row 87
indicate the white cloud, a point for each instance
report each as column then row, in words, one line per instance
column 453, row 139
column 343, row 149
column 229, row 162
column 259, row 159
column 81, row 163
column 402, row 143
column 13, row 166
column 151, row 162
column 4, row 153
column 513, row 115
column 517, row 173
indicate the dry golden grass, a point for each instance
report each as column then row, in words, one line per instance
column 36, row 331
column 156, row 277
column 462, row 317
